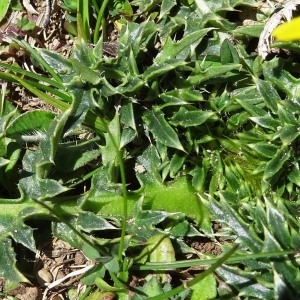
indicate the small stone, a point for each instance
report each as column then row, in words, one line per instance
column 44, row 277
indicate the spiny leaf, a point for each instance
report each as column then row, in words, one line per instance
column 160, row 129
column 227, row 214
column 30, row 123
column 181, row 48
column 187, row 118
column 8, row 268
column 113, row 136
column 276, row 163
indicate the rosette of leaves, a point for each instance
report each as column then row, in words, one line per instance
column 194, row 119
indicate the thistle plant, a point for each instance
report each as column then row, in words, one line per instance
column 186, row 129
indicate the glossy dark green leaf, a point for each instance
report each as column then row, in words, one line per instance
column 294, row 175
column 288, row 134
column 176, row 163
column 48, row 145
column 89, row 222
column 187, row 118
column 287, row 114
column 245, row 282
column 160, row 129
column 237, row 120
column 258, row 291
column 182, row 48
column 249, row 30
column 181, row 96
column 85, row 73
column 15, row 228
column 228, row 53
column 73, row 155
column 281, row 288
column 268, row 93
column 65, row 233
column 228, row 215
column 8, row 271
column 278, row 225
column 144, row 221
column 40, row 189
column 58, row 63
column 234, row 182
column 276, row 163
column 213, row 71
column 166, row 6
column 111, row 150
column 264, row 149
column 127, row 115
column 160, row 69
column 148, row 165
column 32, row 123
column 184, row 228
column 289, row 272
column 266, row 121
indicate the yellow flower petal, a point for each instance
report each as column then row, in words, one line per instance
column 289, row 31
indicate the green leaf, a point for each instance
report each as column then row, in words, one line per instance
column 245, row 282
column 182, row 48
column 286, row 113
column 176, row 163
column 143, row 224
column 64, row 232
column 111, row 150
column 213, row 71
column 264, row 149
column 127, row 115
column 3, row 162
column 288, row 270
column 4, row 5
column 40, row 189
column 58, row 63
column 165, row 8
column 288, row 134
column 35, row 123
column 225, row 213
column 294, row 175
column 188, row 118
column 48, row 145
column 85, row 73
column 160, row 69
column 90, row 222
column 250, row 30
column 205, row 289
column 266, row 121
column 181, row 97
column 160, row 129
column 8, row 269
column 278, row 225
column 276, row 163
column 268, row 93
column 160, row 249
column 150, row 163
column 13, row 226
column 73, row 155
column 228, row 53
